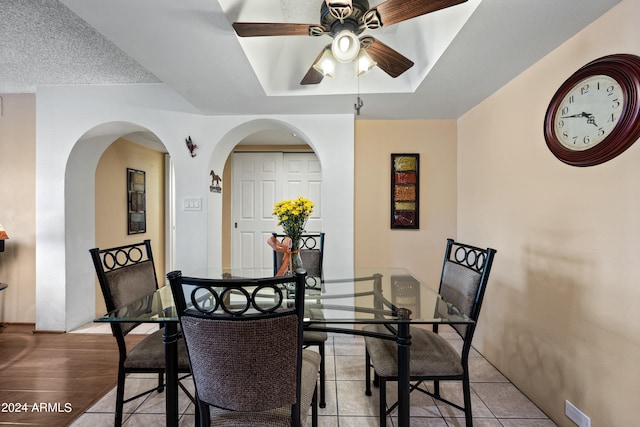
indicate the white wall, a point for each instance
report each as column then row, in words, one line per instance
column 66, row 156
column 332, row 138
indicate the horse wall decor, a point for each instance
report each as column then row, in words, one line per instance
column 215, row 182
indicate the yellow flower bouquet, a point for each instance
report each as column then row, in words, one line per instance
column 292, row 216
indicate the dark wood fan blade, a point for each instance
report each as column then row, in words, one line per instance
column 389, row 60
column 313, row 76
column 259, row 29
column 394, row 11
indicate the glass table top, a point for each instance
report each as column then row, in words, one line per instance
column 361, row 295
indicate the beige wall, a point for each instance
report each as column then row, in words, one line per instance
column 561, row 312
column 111, row 202
column 17, row 207
column 376, row 243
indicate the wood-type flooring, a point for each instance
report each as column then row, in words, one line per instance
column 49, row 379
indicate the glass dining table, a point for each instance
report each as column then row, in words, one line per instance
column 342, row 301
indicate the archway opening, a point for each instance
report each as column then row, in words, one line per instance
column 96, row 206
column 288, row 155
column 259, row 135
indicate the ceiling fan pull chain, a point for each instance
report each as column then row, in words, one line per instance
column 358, row 105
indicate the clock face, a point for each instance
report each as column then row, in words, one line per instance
column 595, row 114
column 589, row 112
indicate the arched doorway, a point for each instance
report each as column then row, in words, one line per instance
column 66, row 158
column 333, row 145
column 81, row 228
column 261, row 135
column 265, row 167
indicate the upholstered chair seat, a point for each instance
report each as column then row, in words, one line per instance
column 127, row 274
column 465, row 273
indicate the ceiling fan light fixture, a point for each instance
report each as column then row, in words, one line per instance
column 364, row 63
column 326, row 65
column 345, row 46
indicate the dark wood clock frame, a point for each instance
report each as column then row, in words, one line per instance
column 625, row 69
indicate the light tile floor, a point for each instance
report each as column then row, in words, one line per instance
column 496, row 402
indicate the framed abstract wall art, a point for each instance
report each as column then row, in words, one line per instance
column 405, row 194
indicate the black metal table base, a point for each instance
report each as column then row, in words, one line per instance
column 170, row 339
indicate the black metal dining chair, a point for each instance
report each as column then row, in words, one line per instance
column 126, row 274
column 463, row 281
column 312, row 255
column 244, row 341
column 311, row 247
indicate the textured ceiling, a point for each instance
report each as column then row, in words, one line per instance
column 43, row 43
column 190, row 46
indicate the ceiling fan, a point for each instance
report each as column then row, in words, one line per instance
column 344, row 21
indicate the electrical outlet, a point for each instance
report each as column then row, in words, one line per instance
column 576, row 415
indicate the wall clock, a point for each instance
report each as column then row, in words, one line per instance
column 595, row 114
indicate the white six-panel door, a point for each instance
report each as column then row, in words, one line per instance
column 260, row 180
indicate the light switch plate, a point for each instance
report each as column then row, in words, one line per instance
column 193, row 204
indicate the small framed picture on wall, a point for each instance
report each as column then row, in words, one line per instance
column 136, row 202
column 405, row 194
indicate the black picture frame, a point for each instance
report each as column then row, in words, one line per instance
column 405, row 191
column 136, row 201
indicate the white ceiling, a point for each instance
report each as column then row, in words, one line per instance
column 462, row 54
column 280, row 62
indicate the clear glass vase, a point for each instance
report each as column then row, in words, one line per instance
column 296, row 259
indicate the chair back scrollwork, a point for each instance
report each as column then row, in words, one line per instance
column 246, row 327
column 311, row 248
column 125, row 273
